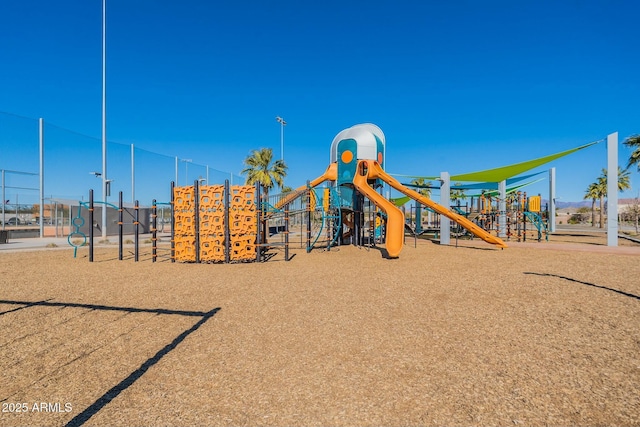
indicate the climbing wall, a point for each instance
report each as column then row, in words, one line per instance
column 211, row 228
column 185, row 223
column 242, row 223
column 212, row 223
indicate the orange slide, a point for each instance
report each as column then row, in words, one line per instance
column 369, row 169
column 395, row 217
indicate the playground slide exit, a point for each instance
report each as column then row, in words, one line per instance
column 395, row 217
column 375, row 171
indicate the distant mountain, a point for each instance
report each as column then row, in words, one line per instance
column 573, row 205
column 584, row 203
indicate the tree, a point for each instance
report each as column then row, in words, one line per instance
column 457, row 194
column 424, row 189
column 623, row 184
column 423, row 186
column 593, row 194
column 633, row 142
column 633, row 212
column 260, row 169
column 286, row 189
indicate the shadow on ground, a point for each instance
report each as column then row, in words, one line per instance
column 112, row 393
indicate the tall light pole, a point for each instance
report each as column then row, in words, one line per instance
column 282, row 125
column 104, row 119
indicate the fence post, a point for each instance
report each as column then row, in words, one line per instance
column 286, row 232
column 196, row 217
column 91, row 225
column 154, row 230
column 173, row 222
column 120, row 226
column 137, row 231
column 308, row 217
column 227, row 233
column 259, row 220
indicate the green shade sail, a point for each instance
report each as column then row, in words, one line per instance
column 399, row 201
column 496, row 193
column 502, row 173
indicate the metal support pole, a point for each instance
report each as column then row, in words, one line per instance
column 525, row 209
column 173, row 223
column 196, row 216
column 91, row 225
column 227, row 232
column 104, row 118
column 445, row 200
column 55, row 204
column 282, row 125
column 308, row 217
column 133, row 174
column 154, row 230
column 259, row 224
column 41, row 144
column 552, row 200
column 120, row 225
column 177, row 183
column 286, row 232
column 612, row 189
column 4, row 200
column 137, row 232
column 502, row 209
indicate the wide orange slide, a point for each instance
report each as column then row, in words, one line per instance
column 369, row 169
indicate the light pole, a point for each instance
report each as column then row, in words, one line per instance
column 104, row 119
column 282, row 125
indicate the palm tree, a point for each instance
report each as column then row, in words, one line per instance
column 593, row 193
column 259, row 168
column 633, row 142
column 423, row 186
column 623, row 184
column 457, row 194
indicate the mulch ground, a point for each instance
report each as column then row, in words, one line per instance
column 441, row 336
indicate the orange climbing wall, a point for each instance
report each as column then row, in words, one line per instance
column 185, row 223
column 242, row 223
column 212, row 223
column 211, row 226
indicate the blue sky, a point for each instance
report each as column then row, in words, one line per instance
column 456, row 86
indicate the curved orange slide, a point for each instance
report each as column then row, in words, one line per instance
column 375, row 171
column 395, row 217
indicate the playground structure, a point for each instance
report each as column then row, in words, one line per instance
column 525, row 216
column 237, row 224
column 223, row 223
column 357, row 172
column 217, row 223
column 521, row 210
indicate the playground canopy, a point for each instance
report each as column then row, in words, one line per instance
column 505, row 172
column 399, row 201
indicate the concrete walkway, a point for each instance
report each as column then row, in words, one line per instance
column 61, row 243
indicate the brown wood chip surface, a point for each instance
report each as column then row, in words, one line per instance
column 441, row 336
